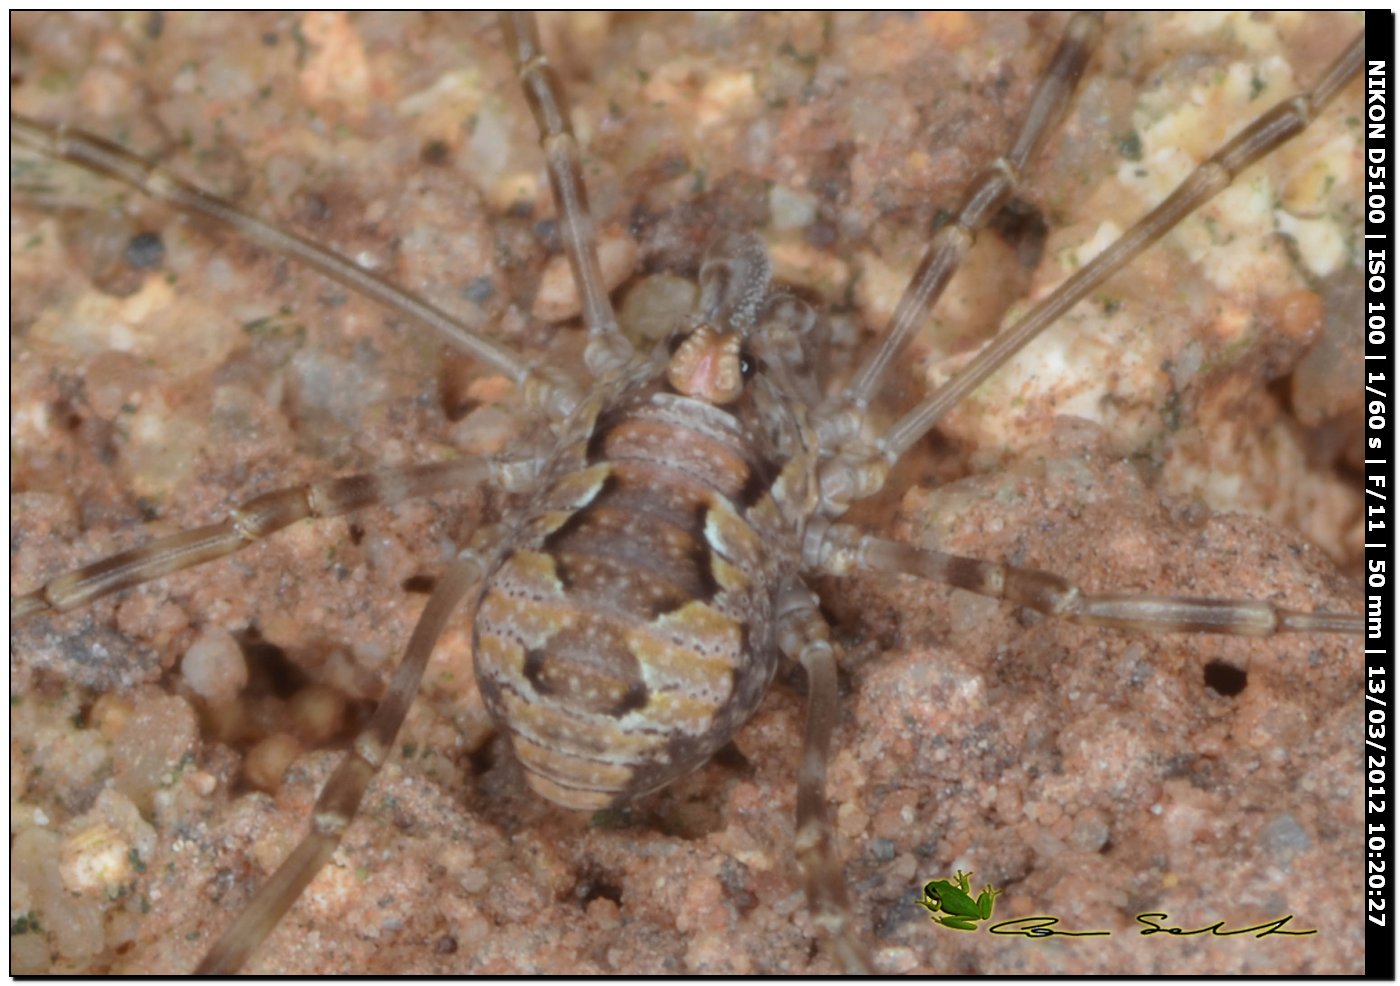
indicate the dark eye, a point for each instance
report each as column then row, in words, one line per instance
column 749, row 364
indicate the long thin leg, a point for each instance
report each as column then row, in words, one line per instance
column 105, row 158
column 340, row 798
column 607, row 348
column 989, row 193
column 803, row 635
column 845, row 549
column 253, row 520
column 855, row 475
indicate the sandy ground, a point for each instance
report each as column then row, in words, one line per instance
column 1089, row 775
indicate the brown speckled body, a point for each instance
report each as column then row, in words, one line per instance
column 625, row 630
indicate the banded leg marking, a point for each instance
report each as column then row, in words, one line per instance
column 989, row 192
column 1264, row 135
column 862, row 469
column 845, row 550
column 340, row 798
column 253, row 520
column 802, row 634
column 608, row 348
column 103, row 157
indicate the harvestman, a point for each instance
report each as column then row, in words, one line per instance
column 852, row 463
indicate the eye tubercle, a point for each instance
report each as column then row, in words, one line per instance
column 708, row 366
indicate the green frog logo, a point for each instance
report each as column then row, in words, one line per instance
column 951, row 903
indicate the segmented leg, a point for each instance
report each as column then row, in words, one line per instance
column 608, row 348
column 340, row 798
column 845, row 550
column 862, row 471
column 804, row 636
column 990, row 191
column 252, row 521
column 105, row 158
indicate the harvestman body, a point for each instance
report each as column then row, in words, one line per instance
column 631, row 611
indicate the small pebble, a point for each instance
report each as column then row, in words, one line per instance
column 558, row 298
column 267, row 762
column 94, row 859
column 791, row 209
column 214, row 666
column 318, row 714
column 655, row 305
column 160, row 733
